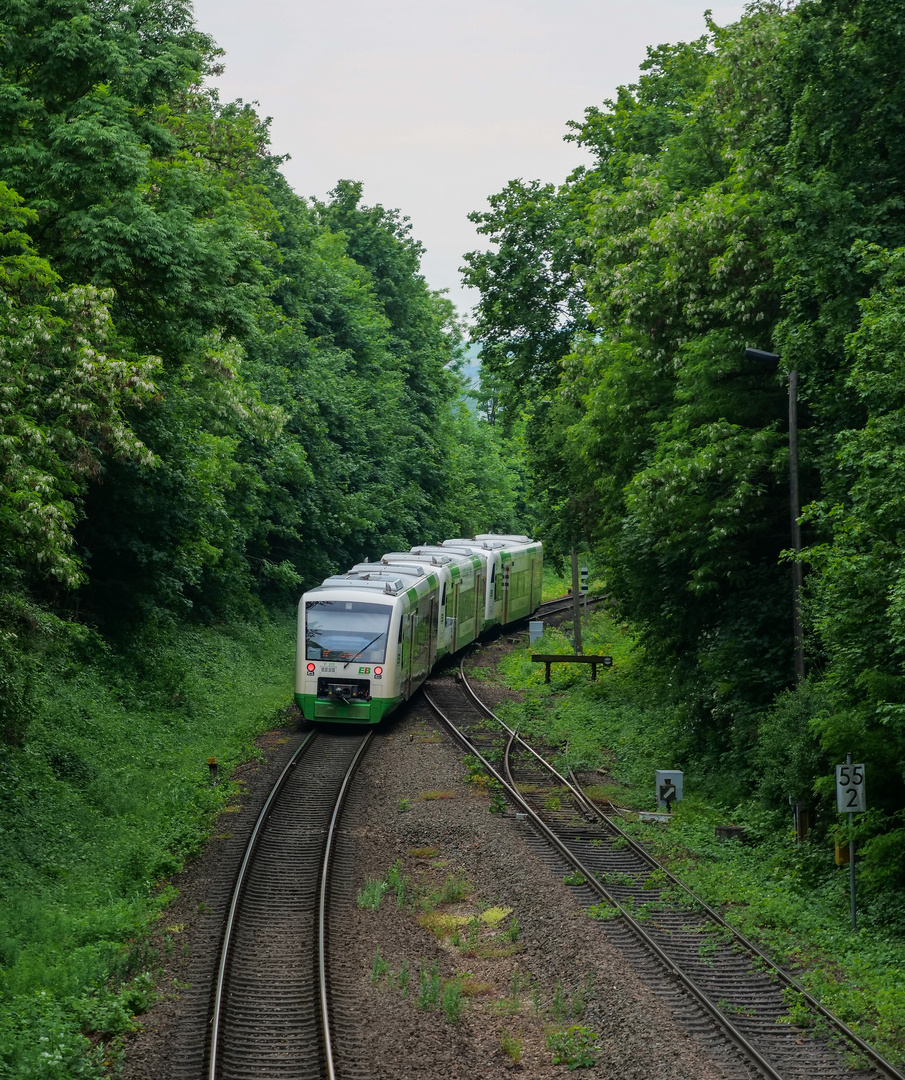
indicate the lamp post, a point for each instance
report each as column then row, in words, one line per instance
column 576, row 602
column 794, row 504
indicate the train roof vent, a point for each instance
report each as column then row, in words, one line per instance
column 492, row 545
column 412, row 569
column 417, row 555
column 468, row 549
column 504, row 536
column 386, row 582
column 404, row 564
column 380, row 570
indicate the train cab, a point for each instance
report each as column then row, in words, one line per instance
column 366, row 640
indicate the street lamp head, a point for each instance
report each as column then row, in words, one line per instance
column 762, row 357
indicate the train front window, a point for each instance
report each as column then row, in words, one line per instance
column 346, row 630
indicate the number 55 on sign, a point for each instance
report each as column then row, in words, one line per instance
column 850, row 789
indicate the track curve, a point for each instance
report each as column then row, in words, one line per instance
column 718, row 984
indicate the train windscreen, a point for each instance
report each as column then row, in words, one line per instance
column 346, row 630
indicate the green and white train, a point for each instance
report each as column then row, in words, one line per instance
column 368, row 638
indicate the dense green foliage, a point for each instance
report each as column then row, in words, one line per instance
column 213, row 389
column 748, row 190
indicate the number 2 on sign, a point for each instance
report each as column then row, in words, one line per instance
column 850, row 789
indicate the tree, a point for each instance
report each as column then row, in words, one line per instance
column 530, row 304
column 67, row 387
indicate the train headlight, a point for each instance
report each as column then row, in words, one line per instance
column 311, row 669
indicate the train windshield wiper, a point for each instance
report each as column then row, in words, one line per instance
column 363, row 648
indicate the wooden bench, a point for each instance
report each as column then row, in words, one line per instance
column 604, row 661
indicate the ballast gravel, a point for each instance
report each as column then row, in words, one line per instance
column 465, row 875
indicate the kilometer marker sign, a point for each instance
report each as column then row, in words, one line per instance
column 850, row 800
column 850, row 797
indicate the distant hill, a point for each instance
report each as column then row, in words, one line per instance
column 471, row 365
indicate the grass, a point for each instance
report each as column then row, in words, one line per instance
column 371, row 893
column 454, row 889
column 441, row 923
column 573, row 1047
column 399, row 883
column 493, row 916
column 511, row 1043
column 473, row 987
column 451, row 1001
column 105, row 801
column 429, row 986
column 379, row 967
column 603, row 793
column 433, row 993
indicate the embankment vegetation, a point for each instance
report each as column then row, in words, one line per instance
column 104, row 802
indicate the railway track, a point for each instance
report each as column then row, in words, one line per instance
column 718, row 984
column 271, row 1013
column 564, row 605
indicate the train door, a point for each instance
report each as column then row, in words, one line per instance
column 454, row 606
column 507, row 581
column 479, row 602
column 495, row 589
column 447, row 622
column 432, row 632
column 539, row 563
column 408, row 654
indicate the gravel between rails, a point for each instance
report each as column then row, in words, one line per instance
column 559, row 954
column 558, row 944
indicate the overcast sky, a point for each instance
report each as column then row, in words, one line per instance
column 436, row 104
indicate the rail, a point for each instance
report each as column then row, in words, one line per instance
column 729, row 1030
